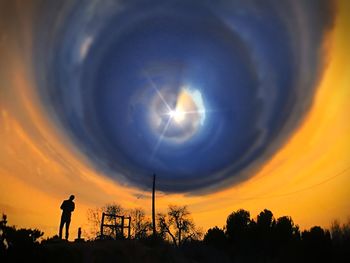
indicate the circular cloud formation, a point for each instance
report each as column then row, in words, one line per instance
column 197, row 92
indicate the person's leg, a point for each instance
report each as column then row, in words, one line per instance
column 67, row 228
column 61, row 227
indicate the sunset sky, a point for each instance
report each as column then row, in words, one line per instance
column 305, row 176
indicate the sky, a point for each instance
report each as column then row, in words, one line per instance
column 233, row 105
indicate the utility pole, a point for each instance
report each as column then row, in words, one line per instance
column 153, row 206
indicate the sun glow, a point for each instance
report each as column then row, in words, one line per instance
column 189, row 102
column 177, row 115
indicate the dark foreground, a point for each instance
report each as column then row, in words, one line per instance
column 145, row 251
column 242, row 239
column 115, row 251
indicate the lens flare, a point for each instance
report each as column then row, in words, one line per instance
column 178, row 115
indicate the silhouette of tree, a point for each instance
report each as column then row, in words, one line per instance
column 265, row 220
column 237, row 226
column 266, row 239
column 3, row 241
column 178, row 225
column 215, row 237
column 264, row 228
column 286, row 240
column 164, row 228
column 262, row 234
column 140, row 224
column 336, row 232
column 285, row 230
column 316, row 245
column 17, row 244
column 94, row 218
column 340, row 233
column 238, row 232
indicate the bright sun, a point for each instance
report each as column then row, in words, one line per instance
column 177, row 115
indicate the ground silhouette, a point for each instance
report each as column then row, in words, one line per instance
column 241, row 239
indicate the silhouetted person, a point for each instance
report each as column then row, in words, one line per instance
column 67, row 209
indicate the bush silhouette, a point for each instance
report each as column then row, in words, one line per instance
column 316, row 245
column 215, row 237
column 17, row 244
column 238, row 226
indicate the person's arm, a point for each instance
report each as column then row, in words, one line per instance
column 73, row 206
column 62, row 205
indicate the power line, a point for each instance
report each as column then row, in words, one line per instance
column 299, row 190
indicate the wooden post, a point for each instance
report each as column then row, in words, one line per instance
column 153, row 207
column 122, row 226
column 79, row 233
column 129, row 227
column 102, row 222
column 79, row 239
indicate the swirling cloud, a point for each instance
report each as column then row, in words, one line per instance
column 111, row 74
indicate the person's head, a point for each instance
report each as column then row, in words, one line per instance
column 71, row 197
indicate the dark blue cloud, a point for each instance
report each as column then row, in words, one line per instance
column 107, row 70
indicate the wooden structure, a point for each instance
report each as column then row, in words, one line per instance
column 116, row 224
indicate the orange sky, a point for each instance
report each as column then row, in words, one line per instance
column 307, row 179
